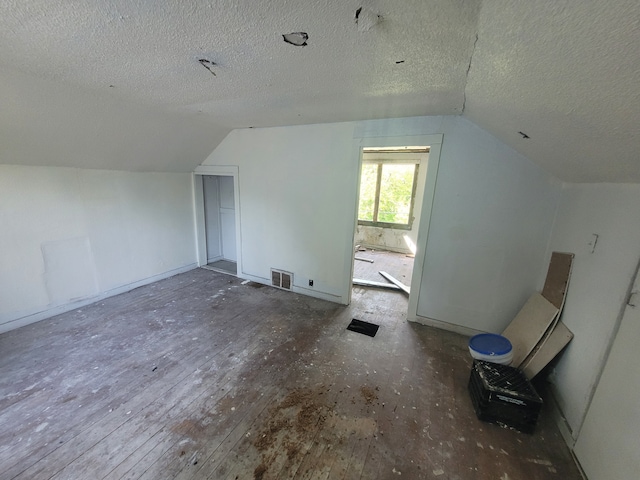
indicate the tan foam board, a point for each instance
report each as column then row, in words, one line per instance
column 546, row 351
column 529, row 326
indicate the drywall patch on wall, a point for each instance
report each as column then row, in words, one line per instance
column 69, row 270
column 72, row 234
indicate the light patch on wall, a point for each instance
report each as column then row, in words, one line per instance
column 70, row 272
column 299, row 39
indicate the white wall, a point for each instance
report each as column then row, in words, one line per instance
column 492, row 214
column 599, row 283
column 72, row 235
column 297, row 202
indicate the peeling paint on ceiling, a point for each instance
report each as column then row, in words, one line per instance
column 299, row 39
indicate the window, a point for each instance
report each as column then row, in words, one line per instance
column 387, row 189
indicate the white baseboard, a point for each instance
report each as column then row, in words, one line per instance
column 450, row 327
column 565, row 429
column 310, row 292
column 29, row 318
column 560, row 420
column 214, row 259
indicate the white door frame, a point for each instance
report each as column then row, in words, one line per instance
column 198, row 207
column 609, row 428
column 434, row 142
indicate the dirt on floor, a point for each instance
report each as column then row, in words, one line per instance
column 296, row 420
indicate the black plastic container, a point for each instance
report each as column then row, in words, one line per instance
column 503, row 395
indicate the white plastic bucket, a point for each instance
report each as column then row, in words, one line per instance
column 491, row 348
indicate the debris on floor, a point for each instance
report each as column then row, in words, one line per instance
column 370, row 283
column 362, row 259
column 396, row 282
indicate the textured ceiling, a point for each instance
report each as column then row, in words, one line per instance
column 119, row 83
column 566, row 73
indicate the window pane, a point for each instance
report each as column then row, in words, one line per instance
column 395, row 193
column 367, row 191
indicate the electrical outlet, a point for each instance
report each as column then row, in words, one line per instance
column 311, row 283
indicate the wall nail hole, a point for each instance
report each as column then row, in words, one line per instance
column 399, row 61
column 524, row 135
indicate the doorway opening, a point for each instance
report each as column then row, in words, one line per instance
column 391, row 191
column 220, row 223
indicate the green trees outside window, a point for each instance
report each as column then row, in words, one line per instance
column 387, row 190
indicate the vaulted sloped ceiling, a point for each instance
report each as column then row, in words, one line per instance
column 566, row 73
column 156, row 85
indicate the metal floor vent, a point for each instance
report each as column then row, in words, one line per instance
column 281, row 279
column 363, row 327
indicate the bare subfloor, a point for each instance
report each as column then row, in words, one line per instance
column 199, row 376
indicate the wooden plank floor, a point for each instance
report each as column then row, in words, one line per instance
column 398, row 265
column 201, row 377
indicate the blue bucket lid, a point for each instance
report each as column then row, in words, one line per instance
column 490, row 344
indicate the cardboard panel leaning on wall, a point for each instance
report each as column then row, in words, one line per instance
column 72, row 235
column 602, row 271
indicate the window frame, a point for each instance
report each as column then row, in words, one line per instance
column 380, row 159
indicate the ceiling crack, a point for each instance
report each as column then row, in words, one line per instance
column 208, row 64
column 466, row 80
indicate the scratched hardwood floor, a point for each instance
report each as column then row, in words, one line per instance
column 201, row 377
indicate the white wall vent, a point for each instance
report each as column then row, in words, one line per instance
column 281, row 279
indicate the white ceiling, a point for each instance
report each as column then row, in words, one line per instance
column 118, row 83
